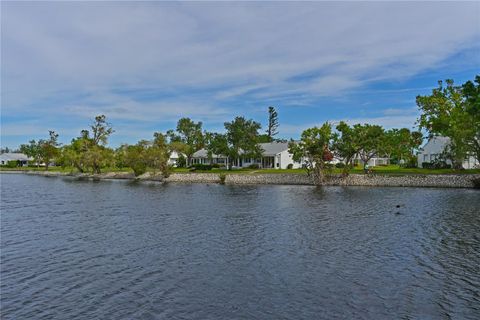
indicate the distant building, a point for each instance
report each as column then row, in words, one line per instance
column 433, row 150
column 274, row 155
column 22, row 159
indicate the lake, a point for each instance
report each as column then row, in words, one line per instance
column 73, row 249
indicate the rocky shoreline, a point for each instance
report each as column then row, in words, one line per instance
column 373, row 180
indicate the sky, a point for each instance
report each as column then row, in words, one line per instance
column 147, row 64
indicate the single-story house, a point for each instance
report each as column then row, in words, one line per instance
column 274, row 155
column 433, row 149
column 22, row 159
column 373, row 162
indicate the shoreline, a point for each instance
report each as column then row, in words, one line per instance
column 373, row 180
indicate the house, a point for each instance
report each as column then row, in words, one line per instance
column 433, row 149
column 173, row 159
column 22, row 159
column 373, row 162
column 274, row 155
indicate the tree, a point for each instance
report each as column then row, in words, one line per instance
column 32, row 150
column 272, row 128
column 345, row 145
column 314, row 148
column 89, row 149
column 240, row 139
column 136, row 157
column 452, row 111
column 369, row 141
column 188, row 137
column 48, row 149
column 471, row 93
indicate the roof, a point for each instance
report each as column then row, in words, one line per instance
column 14, row 156
column 273, row 148
column 435, row 145
column 203, row 153
column 269, row 149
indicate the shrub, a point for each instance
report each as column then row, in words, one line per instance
column 222, row 177
column 254, row 166
column 12, row 164
column 202, row 167
column 182, row 161
column 340, row 165
column 436, row 165
column 290, row 166
column 216, row 165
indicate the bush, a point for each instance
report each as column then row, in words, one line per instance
column 436, row 165
column 216, row 165
column 222, row 177
column 340, row 165
column 202, row 167
column 254, row 166
column 290, row 166
column 12, row 164
column 182, row 161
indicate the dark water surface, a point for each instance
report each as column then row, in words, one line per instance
column 120, row 250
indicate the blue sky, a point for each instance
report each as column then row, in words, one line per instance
column 146, row 64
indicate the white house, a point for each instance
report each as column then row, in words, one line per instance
column 373, row 162
column 173, row 159
column 274, row 155
column 21, row 158
column 432, row 150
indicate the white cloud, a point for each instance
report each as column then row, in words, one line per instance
column 225, row 50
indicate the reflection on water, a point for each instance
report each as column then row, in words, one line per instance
column 120, row 250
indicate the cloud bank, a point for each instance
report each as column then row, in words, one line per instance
column 145, row 64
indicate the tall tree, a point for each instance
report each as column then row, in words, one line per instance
column 345, row 145
column 89, row 150
column 272, row 128
column 188, row 137
column 240, row 139
column 452, row 111
column 32, row 150
column 369, row 138
column 314, row 149
column 49, row 148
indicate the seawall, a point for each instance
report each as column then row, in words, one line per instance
column 373, row 180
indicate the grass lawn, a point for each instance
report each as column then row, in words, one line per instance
column 389, row 170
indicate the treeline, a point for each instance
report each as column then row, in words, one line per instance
column 451, row 111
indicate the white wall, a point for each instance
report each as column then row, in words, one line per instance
column 434, row 147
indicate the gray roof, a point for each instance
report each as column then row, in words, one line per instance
column 269, row 149
column 203, row 153
column 14, row 156
column 273, row 148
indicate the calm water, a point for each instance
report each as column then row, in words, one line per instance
column 120, row 250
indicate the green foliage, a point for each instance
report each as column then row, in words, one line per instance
column 290, row 166
column 188, row 137
column 369, row 140
column 240, row 139
column 222, row 177
column 314, row 148
column 201, row 167
column 254, row 166
column 454, row 112
column 182, row 161
column 136, row 157
column 12, row 164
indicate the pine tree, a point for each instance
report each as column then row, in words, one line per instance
column 272, row 130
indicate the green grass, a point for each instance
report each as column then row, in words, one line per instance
column 387, row 170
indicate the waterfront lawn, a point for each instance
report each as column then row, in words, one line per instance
column 387, row 170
